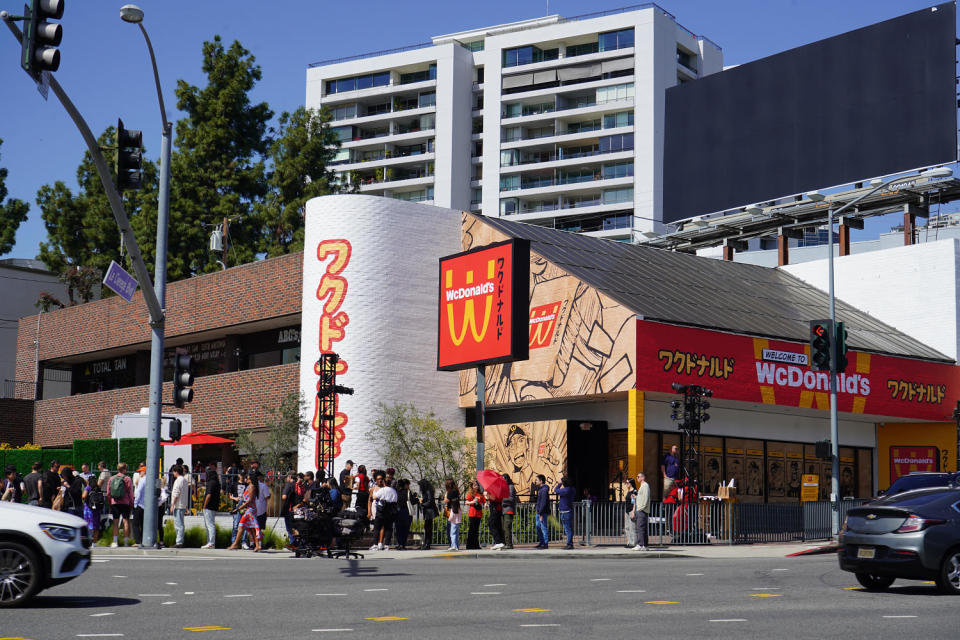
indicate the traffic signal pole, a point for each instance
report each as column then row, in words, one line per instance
column 834, row 418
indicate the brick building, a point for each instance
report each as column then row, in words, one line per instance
column 91, row 361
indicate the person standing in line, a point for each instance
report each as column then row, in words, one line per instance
column 73, row 492
column 402, row 525
column 12, row 485
column 139, row 504
column 630, row 514
column 121, row 501
column 85, row 472
column 670, row 468
column 509, row 509
column 289, row 498
column 240, row 486
column 161, row 494
column 475, row 501
column 335, row 502
column 33, row 485
column 263, row 494
column 495, row 520
column 385, row 497
column 93, row 506
column 179, row 502
column 104, row 478
column 543, row 511
column 566, row 493
column 451, row 501
column 361, row 485
column 248, row 518
column 346, row 483
column 428, row 508
column 211, row 504
column 643, row 511
column 51, row 485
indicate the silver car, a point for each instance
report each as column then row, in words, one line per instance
column 913, row 535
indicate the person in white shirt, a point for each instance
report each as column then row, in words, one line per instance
column 385, row 498
column 179, row 501
column 139, row 503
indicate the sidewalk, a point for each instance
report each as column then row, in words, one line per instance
column 556, row 552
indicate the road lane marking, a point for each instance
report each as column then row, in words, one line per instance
column 661, row 602
column 540, row 625
column 599, row 579
column 766, row 595
column 99, row 635
column 729, row 620
column 330, row 630
column 169, row 602
column 119, row 576
column 532, row 610
column 188, row 593
column 779, row 569
column 211, row 627
column 694, row 574
column 898, row 616
column 99, row 561
column 99, row 615
column 632, row 591
column 376, row 589
column 485, row 593
column 853, row 588
column 239, row 595
column 386, row 618
column 172, row 583
column 496, row 584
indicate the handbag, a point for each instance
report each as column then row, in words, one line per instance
column 58, row 503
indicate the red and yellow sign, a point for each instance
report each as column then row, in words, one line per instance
column 543, row 321
column 776, row 372
column 906, row 460
column 483, row 306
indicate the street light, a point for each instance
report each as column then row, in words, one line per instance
column 134, row 15
column 816, row 196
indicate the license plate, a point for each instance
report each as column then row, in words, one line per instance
column 866, row 552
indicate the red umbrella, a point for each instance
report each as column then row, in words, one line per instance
column 194, row 438
column 493, row 483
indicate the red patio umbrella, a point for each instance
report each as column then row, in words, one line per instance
column 493, row 483
column 194, row 438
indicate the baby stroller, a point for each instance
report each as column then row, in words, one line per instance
column 313, row 523
column 348, row 527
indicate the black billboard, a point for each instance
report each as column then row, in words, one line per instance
column 866, row 103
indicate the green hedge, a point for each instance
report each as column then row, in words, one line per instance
column 23, row 459
column 91, row 451
column 133, row 451
column 63, row 456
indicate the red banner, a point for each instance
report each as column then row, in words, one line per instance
column 483, row 306
column 737, row 367
column 905, row 460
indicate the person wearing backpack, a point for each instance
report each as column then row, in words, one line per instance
column 93, row 502
column 121, row 501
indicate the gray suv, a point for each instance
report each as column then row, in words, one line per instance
column 913, row 535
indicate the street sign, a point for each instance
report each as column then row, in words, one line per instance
column 120, row 282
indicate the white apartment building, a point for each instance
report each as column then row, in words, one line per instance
column 552, row 121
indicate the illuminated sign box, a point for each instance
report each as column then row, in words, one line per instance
column 483, row 306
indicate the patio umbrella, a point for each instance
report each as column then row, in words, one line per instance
column 493, row 483
column 195, row 438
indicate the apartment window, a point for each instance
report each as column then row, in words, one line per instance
column 586, row 125
column 617, row 196
column 508, row 206
column 509, row 183
column 479, row 75
column 428, row 99
column 571, row 176
column 511, row 134
column 615, row 92
column 344, row 112
column 420, row 195
column 612, row 144
column 342, row 133
column 476, row 45
column 419, row 76
column 342, row 156
column 622, row 119
column 514, row 110
column 537, row 109
column 582, row 49
column 615, row 40
column 527, row 55
column 617, row 170
column 477, row 126
column 687, row 59
column 509, row 158
column 358, row 82
column 377, row 109
column 476, row 196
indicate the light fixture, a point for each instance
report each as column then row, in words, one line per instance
column 815, row 196
column 876, row 182
column 753, row 209
column 131, row 13
column 937, row 172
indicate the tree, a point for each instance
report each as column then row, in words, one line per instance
column 299, row 155
column 81, row 229
column 12, row 214
column 418, row 446
column 286, row 427
column 218, row 169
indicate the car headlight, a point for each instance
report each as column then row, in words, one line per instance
column 59, row 532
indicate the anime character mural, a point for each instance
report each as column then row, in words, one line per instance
column 524, row 450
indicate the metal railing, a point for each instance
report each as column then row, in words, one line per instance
column 26, row 389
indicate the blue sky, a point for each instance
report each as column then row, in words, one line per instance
column 105, row 67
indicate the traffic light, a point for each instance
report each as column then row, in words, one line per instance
column 40, row 38
column 821, row 341
column 175, row 429
column 182, row 379
column 840, row 345
column 129, row 158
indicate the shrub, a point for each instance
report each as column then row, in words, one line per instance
column 93, row 450
column 63, row 456
column 23, row 459
column 132, row 451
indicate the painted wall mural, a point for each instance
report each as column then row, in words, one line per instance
column 581, row 341
column 524, row 449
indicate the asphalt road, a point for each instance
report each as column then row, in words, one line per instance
column 285, row 598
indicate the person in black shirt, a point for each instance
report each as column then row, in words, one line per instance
column 73, row 497
column 289, row 500
column 13, row 485
column 32, row 484
column 51, row 485
column 211, row 504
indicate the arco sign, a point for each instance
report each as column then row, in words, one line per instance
column 483, row 306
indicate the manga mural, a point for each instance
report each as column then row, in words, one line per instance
column 525, row 449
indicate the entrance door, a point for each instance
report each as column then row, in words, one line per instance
column 587, row 456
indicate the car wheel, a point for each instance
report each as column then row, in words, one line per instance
column 949, row 579
column 871, row 582
column 19, row 574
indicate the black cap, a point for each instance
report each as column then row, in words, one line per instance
column 349, row 462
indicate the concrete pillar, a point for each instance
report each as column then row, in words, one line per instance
column 844, row 240
column 635, row 401
column 728, row 253
column 783, row 250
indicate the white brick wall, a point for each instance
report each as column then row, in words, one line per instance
column 391, row 300
column 912, row 288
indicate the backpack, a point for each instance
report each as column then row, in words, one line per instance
column 95, row 498
column 117, row 490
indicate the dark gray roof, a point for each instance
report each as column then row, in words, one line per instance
column 685, row 289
